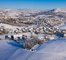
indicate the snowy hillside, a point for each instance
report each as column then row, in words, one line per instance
column 51, row 50
column 60, row 10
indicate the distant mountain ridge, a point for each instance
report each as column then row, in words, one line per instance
column 17, row 12
column 21, row 16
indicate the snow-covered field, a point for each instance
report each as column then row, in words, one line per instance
column 12, row 51
column 9, row 26
column 63, row 27
column 51, row 50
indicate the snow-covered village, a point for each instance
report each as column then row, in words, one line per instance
column 32, row 30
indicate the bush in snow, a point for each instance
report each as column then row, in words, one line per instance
column 12, row 37
column 6, row 37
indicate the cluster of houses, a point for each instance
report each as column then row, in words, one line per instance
column 3, row 31
column 29, row 39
